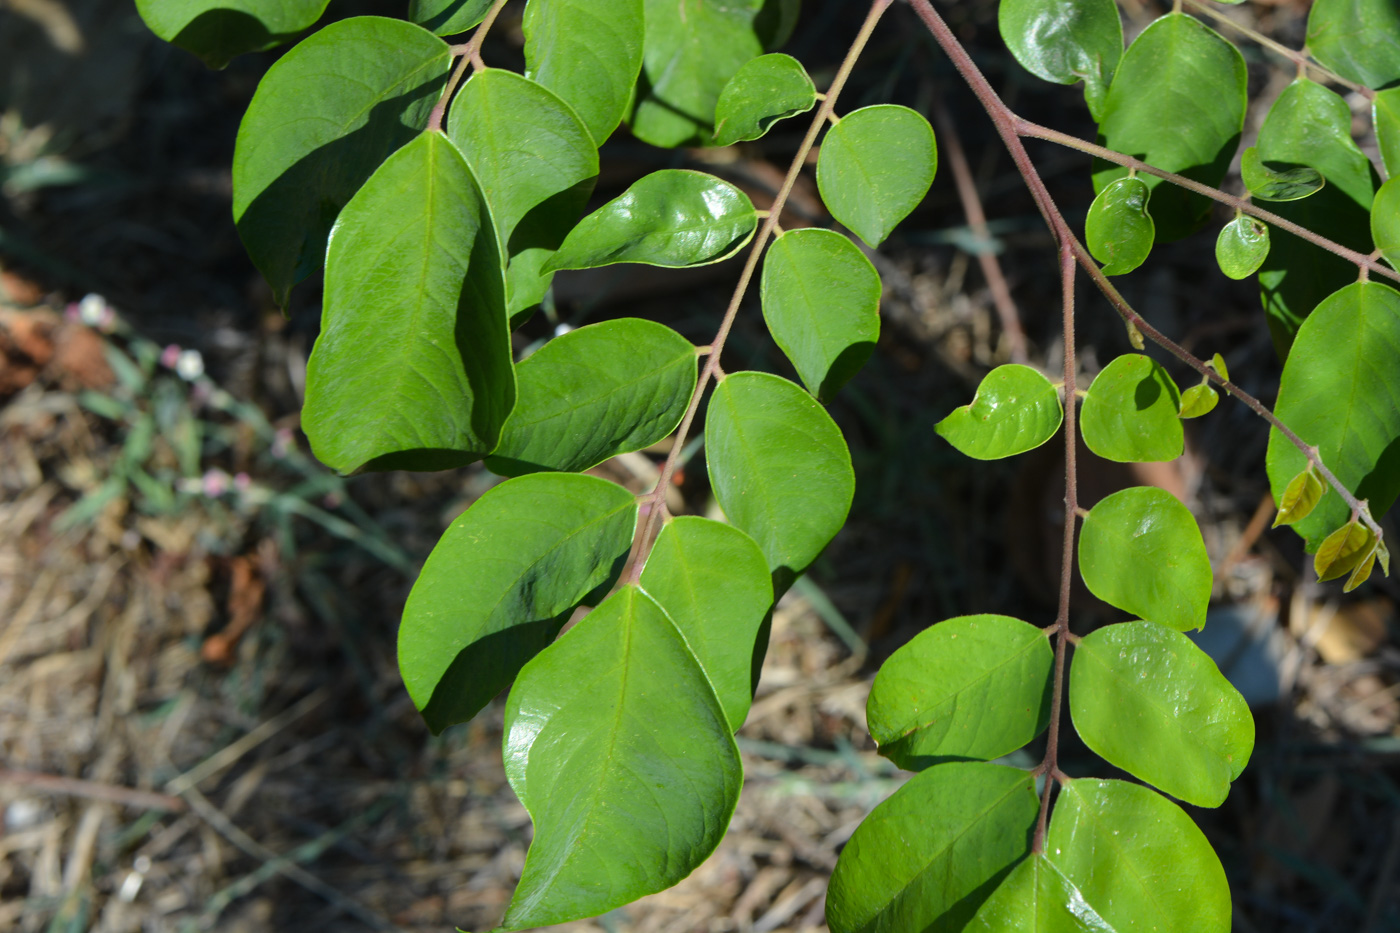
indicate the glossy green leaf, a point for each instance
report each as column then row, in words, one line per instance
column 618, row 748
column 502, row 581
column 1358, row 39
column 1340, row 392
column 1136, row 857
column 219, row 30
column 1198, row 400
column 674, row 217
column 1066, row 41
column 1177, row 102
column 596, row 392
column 1343, row 550
column 323, row 118
column 589, row 52
column 970, row 687
column 1142, row 551
column 1385, row 113
column 1147, row 700
column 1299, row 498
column 447, row 17
column 875, row 166
column 713, row 582
column 927, row 857
column 537, row 164
column 767, row 89
column 1015, row 409
column 1275, row 183
column 779, row 468
column 1037, row 898
column 1119, row 230
column 1242, row 247
column 1130, row 412
column 821, row 299
column 412, row 369
column 1385, row 221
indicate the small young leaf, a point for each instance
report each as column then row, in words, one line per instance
column 1270, row 183
column 1147, row 700
column 674, row 218
column 1383, row 556
column 1142, row 551
column 1015, row 409
column 1361, row 573
column 767, row 89
column 1198, row 400
column 1385, row 221
column 501, row 582
column 1119, row 231
column 447, row 17
column 1217, row 363
column 1358, row 39
column 219, row 30
column 1130, row 413
column 1066, row 41
column 821, row 299
column 1037, row 898
column 922, row 860
column 596, row 392
column 875, row 166
column 589, row 52
column 970, row 687
column 1342, row 550
column 779, row 467
column 1385, row 114
column 1242, row 247
column 1299, row 498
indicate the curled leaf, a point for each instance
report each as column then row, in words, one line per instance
column 1275, row 183
column 1362, row 572
column 1242, row 247
column 767, row 89
column 1217, row 363
column 1342, row 550
column 1119, row 230
column 1299, row 499
column 1198, row 400
column 1383, row 555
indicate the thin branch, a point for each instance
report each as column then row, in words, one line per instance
column 93, row 790
column 471, row 55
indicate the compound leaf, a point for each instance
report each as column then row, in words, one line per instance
column 589, row 52
column 1015, row 409
column 1065, row 41
column 1385, row 221
column 875, row 166
column 970, row 687
column 1130, row 413
column 447, row 17
column 1277, row 183
column 1147, row 700
column 1299, row 498
column 1358, row 39
column 1119, row 231
column 1037, row 898
column 412, row 368
column 821, row 299
column 1385, row 114
column 502, row 581
column 1198, row 400
column 767, row 89
column 602, row 390
column 1343, row 550
column 219, row 30
column 1242, row 247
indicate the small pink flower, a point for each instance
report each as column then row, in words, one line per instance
column 216, row 483
column 170, row 356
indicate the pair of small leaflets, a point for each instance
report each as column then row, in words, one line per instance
column 1066, row 41
column 1242, row 246
column 1115, row 853
column 589, row 52
column 1277, row 182
column 1015, row 409
column 1119, row 231
column 1202, row 398
column 1131, row 412
column 767, row 89
column 1351, row 549
column 219, row 30
column 1385, row 221
column 875, row 166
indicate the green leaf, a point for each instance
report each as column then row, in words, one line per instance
column 674, row 218
column 536, row 163
column 1266, row 183
column 589, row 52
column 767, row 89
column 1141, row 550
column 1016, row 409
column 1147, row 700
column 323, row 118
column 618, row 748
column 1342, row 550
column 970, row 687
column 219, row 30
column 1217, row 363
column 1177, row 102
column 1037, row 898
column 1299, row 498
column 1385, row 221
column 1130, row 412
column 1066, row 41
column 1385, row 113
column 875, row 166
column 927, row 857
column 447, row 17
column 1358, row 39
column 602, row 390
column 1340, row 392
column 713, row 582
column 1134, row 855
column 1198, row 400
column 502, row 581
column 779, row 467
column 1362, row 572
column 1119, row 231
column 1242, row 247
column 821, row 299
column 412, row 368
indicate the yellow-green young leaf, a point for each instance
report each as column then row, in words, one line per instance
column 1342, row 550
column 1300, row 497
column 1358, row 39
column 1066, row 41
column 922, row 860
column 674, row 218
column 875, row 166
column 1037, row 898
column 1142, row 551
column 1385, row 114
column 1015, row 409
column 1119, row 230
column 970, row 687
column 1217, row 363
column 1242, row 247
column 1131, row 412
column 412, row 368
column 1147, row 700
column 767, row 89
column 219, row 30
column 1361, row 573
column 447, row 17
column 618, row 748
column 1385, row 221
column 1275, row 182
column 1198, row 400
column 1383, row 555
column 589, row 52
